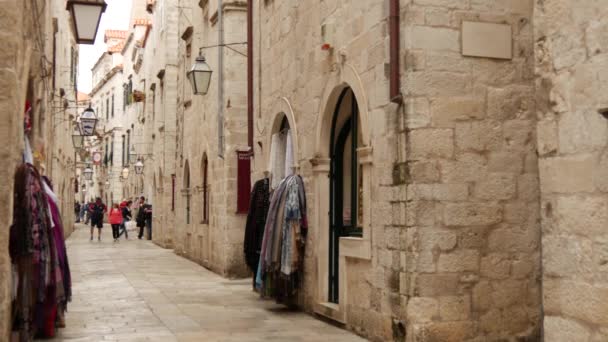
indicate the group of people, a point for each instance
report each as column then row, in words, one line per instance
column 118, row 216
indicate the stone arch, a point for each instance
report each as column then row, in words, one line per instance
column 346, row 77
column 282, row 108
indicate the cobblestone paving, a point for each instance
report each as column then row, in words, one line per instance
column 136, row 291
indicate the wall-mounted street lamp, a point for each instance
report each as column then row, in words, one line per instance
column 86, row 15
column 200, row 75
column 77, row 138
column 107, row 184
column 88, row 173
column 88, row 122
column 139, row 167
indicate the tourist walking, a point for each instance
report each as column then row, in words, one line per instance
column 115, row 218
column 126, row 217
column 144, row 218
column 77, row 211
column 97, row 211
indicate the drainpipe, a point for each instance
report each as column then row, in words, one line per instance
column 220, row 78
column 393, row 16
column 250, row 75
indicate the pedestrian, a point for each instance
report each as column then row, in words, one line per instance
column 126, row 217
column 148, row 218
column 144, row 218
column 77, row 211
column 83, row 209
column 115, row 218
column 88, row 211
column 97, row 211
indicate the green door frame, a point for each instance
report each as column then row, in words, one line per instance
column 336, row 190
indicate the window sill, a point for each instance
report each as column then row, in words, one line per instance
column 356, row 247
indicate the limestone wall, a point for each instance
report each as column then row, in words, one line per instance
column 296, row 78
column 572, row 70
column 471, row 185
column 218, row 243
column 453, row 198
column 25, row 40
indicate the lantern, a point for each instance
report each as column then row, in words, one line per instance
column 86, row 15
column 200, row 75
column 88, row 173
column 139, row 167
column 77, row 138
column 88, row 121
column 125, row 173
column 107, row 184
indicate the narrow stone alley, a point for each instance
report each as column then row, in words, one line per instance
column 136, row 291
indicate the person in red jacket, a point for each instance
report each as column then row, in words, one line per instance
column 115, row 218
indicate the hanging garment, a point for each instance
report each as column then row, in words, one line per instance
column 281, row 261
column 289, row 157
column 62, row 256
column 33, row 254
column 256, row 218
column 268, row 231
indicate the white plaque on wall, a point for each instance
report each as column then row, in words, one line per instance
column 486, row 40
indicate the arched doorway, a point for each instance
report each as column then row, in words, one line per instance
column 344, row 188
column 187, row 190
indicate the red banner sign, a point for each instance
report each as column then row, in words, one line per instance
column 243, row 181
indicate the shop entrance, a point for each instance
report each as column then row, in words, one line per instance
column 344, row 183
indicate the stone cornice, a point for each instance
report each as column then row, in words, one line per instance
column 105, row 80
column 234, row 6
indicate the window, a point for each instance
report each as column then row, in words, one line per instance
column 128, row 147
column 124, row 96
column 205, row 169
column 107, row 108
column 112, row 103
column 130, row 92
column 124, row 159
column 112, row 151
column 173, row 192
column 105, row 159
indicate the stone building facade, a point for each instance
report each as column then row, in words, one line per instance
column 448, row 180
column 38, row 63
column 210, row 131
column 494, row 152
column 571, row 72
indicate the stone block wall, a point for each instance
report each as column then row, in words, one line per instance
column 218, row 243
column 571, row 75
column 295, row 77
column 21, row 79
column 470, row 181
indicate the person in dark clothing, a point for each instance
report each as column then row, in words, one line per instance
column 126, row 217
column 144, row 218
column 97, row 211
column 77, row 211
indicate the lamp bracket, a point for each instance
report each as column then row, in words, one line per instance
column 228, row 45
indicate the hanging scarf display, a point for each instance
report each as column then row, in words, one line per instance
column 280, row 265
column 38, row 256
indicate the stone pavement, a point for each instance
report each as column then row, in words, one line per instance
column 136, row 291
